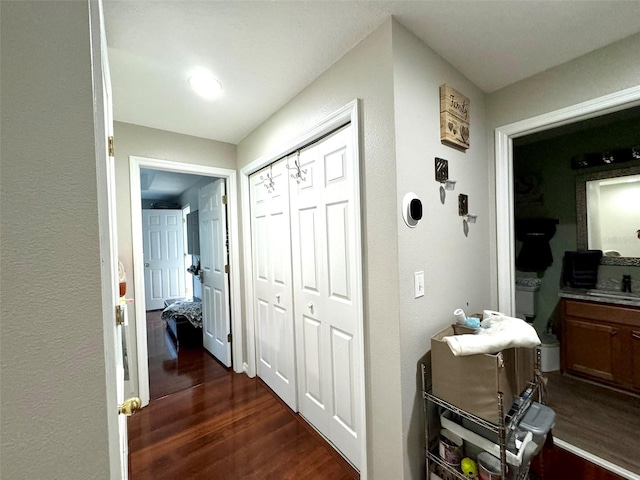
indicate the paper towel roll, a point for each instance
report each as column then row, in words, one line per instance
column 489, row 313
column 460, row 316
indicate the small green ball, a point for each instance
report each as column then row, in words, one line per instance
column 469, row 467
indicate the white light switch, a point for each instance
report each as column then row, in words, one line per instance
column 418, row 284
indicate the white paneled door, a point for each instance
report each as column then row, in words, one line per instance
column 216, row 317
column 273, row 302
column 163, row 248
column 324, row 246
column 311, row 221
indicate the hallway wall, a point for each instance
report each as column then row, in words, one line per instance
column 54, row 394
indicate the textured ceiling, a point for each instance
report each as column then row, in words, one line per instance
column 264, row 53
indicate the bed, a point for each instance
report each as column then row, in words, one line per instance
column 184, row 321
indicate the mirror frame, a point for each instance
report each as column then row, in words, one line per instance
column 581, row 212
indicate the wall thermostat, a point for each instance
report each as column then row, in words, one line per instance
column 411, row 209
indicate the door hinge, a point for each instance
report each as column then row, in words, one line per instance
column 119, row 315
column 226, row 269
column 111, row 151
column 224, row 199
column 229, row 338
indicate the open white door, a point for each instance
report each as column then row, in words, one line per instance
column 273, row 302
column 114, row 323
column 214, row 272
column 163, row 246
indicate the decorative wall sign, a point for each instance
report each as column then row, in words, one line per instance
column 454, row 118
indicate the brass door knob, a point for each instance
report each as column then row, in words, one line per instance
column 130, row 406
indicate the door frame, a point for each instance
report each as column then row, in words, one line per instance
column 135, row 164
column 350, row 113
column 504, row 214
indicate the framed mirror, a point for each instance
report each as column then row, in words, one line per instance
column 608, row 215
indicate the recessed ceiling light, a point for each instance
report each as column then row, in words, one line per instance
column 205, row 85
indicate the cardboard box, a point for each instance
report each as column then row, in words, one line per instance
column 472, row 383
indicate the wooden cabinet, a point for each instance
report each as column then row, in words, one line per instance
column 635, row 352
column 602, row 342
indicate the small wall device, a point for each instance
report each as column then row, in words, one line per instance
column 411, row 209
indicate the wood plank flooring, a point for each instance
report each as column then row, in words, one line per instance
column 221, row 426
column 596, row 419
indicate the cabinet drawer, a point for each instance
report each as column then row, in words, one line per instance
column 603, row 312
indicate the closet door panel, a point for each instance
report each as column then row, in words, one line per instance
column 308, row 256
column 312, row 362
column 264, row 340
column 338, row 252
column 273, row 304
column 323, row 241
column 343, row 386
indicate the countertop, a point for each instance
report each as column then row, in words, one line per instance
column 600, row 296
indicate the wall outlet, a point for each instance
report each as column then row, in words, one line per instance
column 418, row 284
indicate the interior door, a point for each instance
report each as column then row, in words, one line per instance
column 111, row 289
column 323, row 221
column 273, row 296
column 216, row 316
column 163, row 246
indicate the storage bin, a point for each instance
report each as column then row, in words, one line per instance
column 472, row 383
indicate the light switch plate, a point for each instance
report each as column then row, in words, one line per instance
column 418, row 284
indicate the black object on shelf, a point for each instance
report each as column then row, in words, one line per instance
column 580, row 269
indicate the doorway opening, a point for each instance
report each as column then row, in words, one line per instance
column 145, row 271
column 505, row 209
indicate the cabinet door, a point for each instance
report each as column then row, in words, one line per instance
column 635, row 355
column 593, row 349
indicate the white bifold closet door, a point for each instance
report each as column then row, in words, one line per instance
column 323, row 222
column 273, row 293
column 320, row 219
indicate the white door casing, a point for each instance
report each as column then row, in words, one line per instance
column 135, row 164
column 324, row 247
column 273, row 295
column 163, row 247
column 216, row 317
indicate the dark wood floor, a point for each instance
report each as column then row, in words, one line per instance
column 205, row 422
column 599, row 420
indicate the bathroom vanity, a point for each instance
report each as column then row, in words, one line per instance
column 601, row 337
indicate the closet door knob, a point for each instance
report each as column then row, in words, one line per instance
column 310, row 305
column 278, row 297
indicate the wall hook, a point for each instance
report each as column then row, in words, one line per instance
column 298, row 173
column 268, row 182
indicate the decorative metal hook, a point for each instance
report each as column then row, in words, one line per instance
column 297, row 174
column 268, row 182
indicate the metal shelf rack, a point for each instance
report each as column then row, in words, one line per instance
column 504, row 430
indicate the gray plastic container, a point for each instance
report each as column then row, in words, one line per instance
column 539, row 420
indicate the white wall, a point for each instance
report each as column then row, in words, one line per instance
column 54, row 400
column 134, row 140
column 366, row 73
column 604, row 71
column 456, row 266
column 607, row 70
column 619, row 217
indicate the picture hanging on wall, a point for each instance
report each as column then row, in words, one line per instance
column 454, row 118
